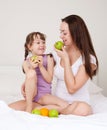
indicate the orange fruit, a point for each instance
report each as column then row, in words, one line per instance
column 44, row 111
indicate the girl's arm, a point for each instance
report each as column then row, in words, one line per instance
column 48, row 74
column 29, row 65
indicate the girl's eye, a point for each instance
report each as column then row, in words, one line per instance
column 38, row 42
column 64, row 33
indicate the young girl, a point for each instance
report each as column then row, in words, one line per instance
column 39, row 74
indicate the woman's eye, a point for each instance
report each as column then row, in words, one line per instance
column 62, row 33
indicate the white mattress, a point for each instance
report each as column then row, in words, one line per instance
column 18, row 120
column 11, row 79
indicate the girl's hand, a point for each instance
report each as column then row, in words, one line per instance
column 34, row 63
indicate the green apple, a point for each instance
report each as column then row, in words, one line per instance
column 34, row 58
column 36, row 111
column 58, row 45
column 53, row 113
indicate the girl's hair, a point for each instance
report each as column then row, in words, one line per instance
column 82, row 39
column 30, row 39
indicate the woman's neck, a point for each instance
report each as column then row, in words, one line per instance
column 73, row 52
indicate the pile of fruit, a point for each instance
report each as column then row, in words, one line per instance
column 45, row 112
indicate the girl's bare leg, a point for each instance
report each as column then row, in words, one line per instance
column 30, row 90
column 58, row 108
column 21, row 105
column 52, row 102
column 18, row 105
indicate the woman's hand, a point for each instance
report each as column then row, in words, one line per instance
column 62, row 53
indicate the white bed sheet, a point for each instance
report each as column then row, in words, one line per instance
column 17, row 120
column 11, row 79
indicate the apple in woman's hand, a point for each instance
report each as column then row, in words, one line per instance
column 58, row 45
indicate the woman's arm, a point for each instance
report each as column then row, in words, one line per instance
column 73, row 82
column 29, row 65
column 25, row 66
column 80, row 78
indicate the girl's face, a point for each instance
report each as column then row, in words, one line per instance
column 38, row 46
column 65, row 34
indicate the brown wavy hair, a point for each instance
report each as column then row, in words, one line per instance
column 30, row 39
column 82, row 39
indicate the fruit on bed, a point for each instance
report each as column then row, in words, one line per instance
column 36, row 111
column 34, row 58
column 58, row 45
column 44, row 111
column 53, row 113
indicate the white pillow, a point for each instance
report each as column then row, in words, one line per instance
column 93, row 88
column 11, row 79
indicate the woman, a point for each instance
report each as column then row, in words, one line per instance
column 76, row 63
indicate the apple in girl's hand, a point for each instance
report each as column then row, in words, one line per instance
column 34, row 58
column 36, row 111
column 58, row 45
column 53, row 113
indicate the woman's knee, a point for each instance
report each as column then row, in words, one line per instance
column 82, row 109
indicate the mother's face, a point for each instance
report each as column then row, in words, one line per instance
column 65, row 34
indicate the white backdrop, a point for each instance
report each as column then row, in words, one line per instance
column 20, row 17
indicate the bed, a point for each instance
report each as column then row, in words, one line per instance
column 11, row 79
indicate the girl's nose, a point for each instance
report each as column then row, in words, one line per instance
column 42, row 44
